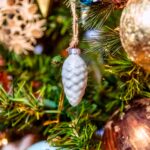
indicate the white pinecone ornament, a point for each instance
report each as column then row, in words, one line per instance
column 74, row 77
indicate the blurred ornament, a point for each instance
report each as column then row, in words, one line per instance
column 43, row 145
column 36, row 84
column 85, row 8
column 21, row 25
column 95, row 1
column 44, row 6
column 86, row 2
column 92, row 34
column 74, row 77
column 38, row 49
column 23, row 144
column 84, row 13
column 97, row 135
column 100, row 132
column 5, row 81
column 2, row 61
column 64, row 53
column 129, row 130
column 119, row 3
column 89, row 2
column 135, row 32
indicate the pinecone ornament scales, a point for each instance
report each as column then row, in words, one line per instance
column 74, row 77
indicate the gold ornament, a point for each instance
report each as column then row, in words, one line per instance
column 44, row 6
column 135, row 32
column 131, row 130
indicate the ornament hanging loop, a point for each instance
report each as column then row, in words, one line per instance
column 75, row 27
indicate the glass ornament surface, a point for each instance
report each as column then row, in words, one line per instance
column 74, row 77
column 129, row 130
column 43, row 145
column 135, row 32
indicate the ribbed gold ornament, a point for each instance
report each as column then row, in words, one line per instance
column 44, row 6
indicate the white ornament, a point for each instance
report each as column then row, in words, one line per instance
column 74, row 77
column 43, row 145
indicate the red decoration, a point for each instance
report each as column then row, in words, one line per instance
column 64, row 53
column 5, row 80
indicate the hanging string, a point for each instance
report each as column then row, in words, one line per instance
column 74, row 42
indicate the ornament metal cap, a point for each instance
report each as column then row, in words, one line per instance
column 74, row 51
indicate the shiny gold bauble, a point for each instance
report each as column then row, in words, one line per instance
column 129, row 130
column 135, row 32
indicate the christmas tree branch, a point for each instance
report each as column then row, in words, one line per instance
column 23, row 110
column 98, row 14
column 116, row 62
column 77, row 133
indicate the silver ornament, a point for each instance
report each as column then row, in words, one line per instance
column 74, row 77
column 135, row 32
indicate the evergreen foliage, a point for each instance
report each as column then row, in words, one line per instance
column 35, row 99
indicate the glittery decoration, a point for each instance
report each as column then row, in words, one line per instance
column 135, row 32
column 129, row 130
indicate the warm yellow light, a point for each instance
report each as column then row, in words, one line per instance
column 4, row 141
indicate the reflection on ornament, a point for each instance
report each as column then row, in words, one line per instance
column 135, row 32
column 131, row 130
column 43, row 145
column 140, row 133
column 74, row 77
